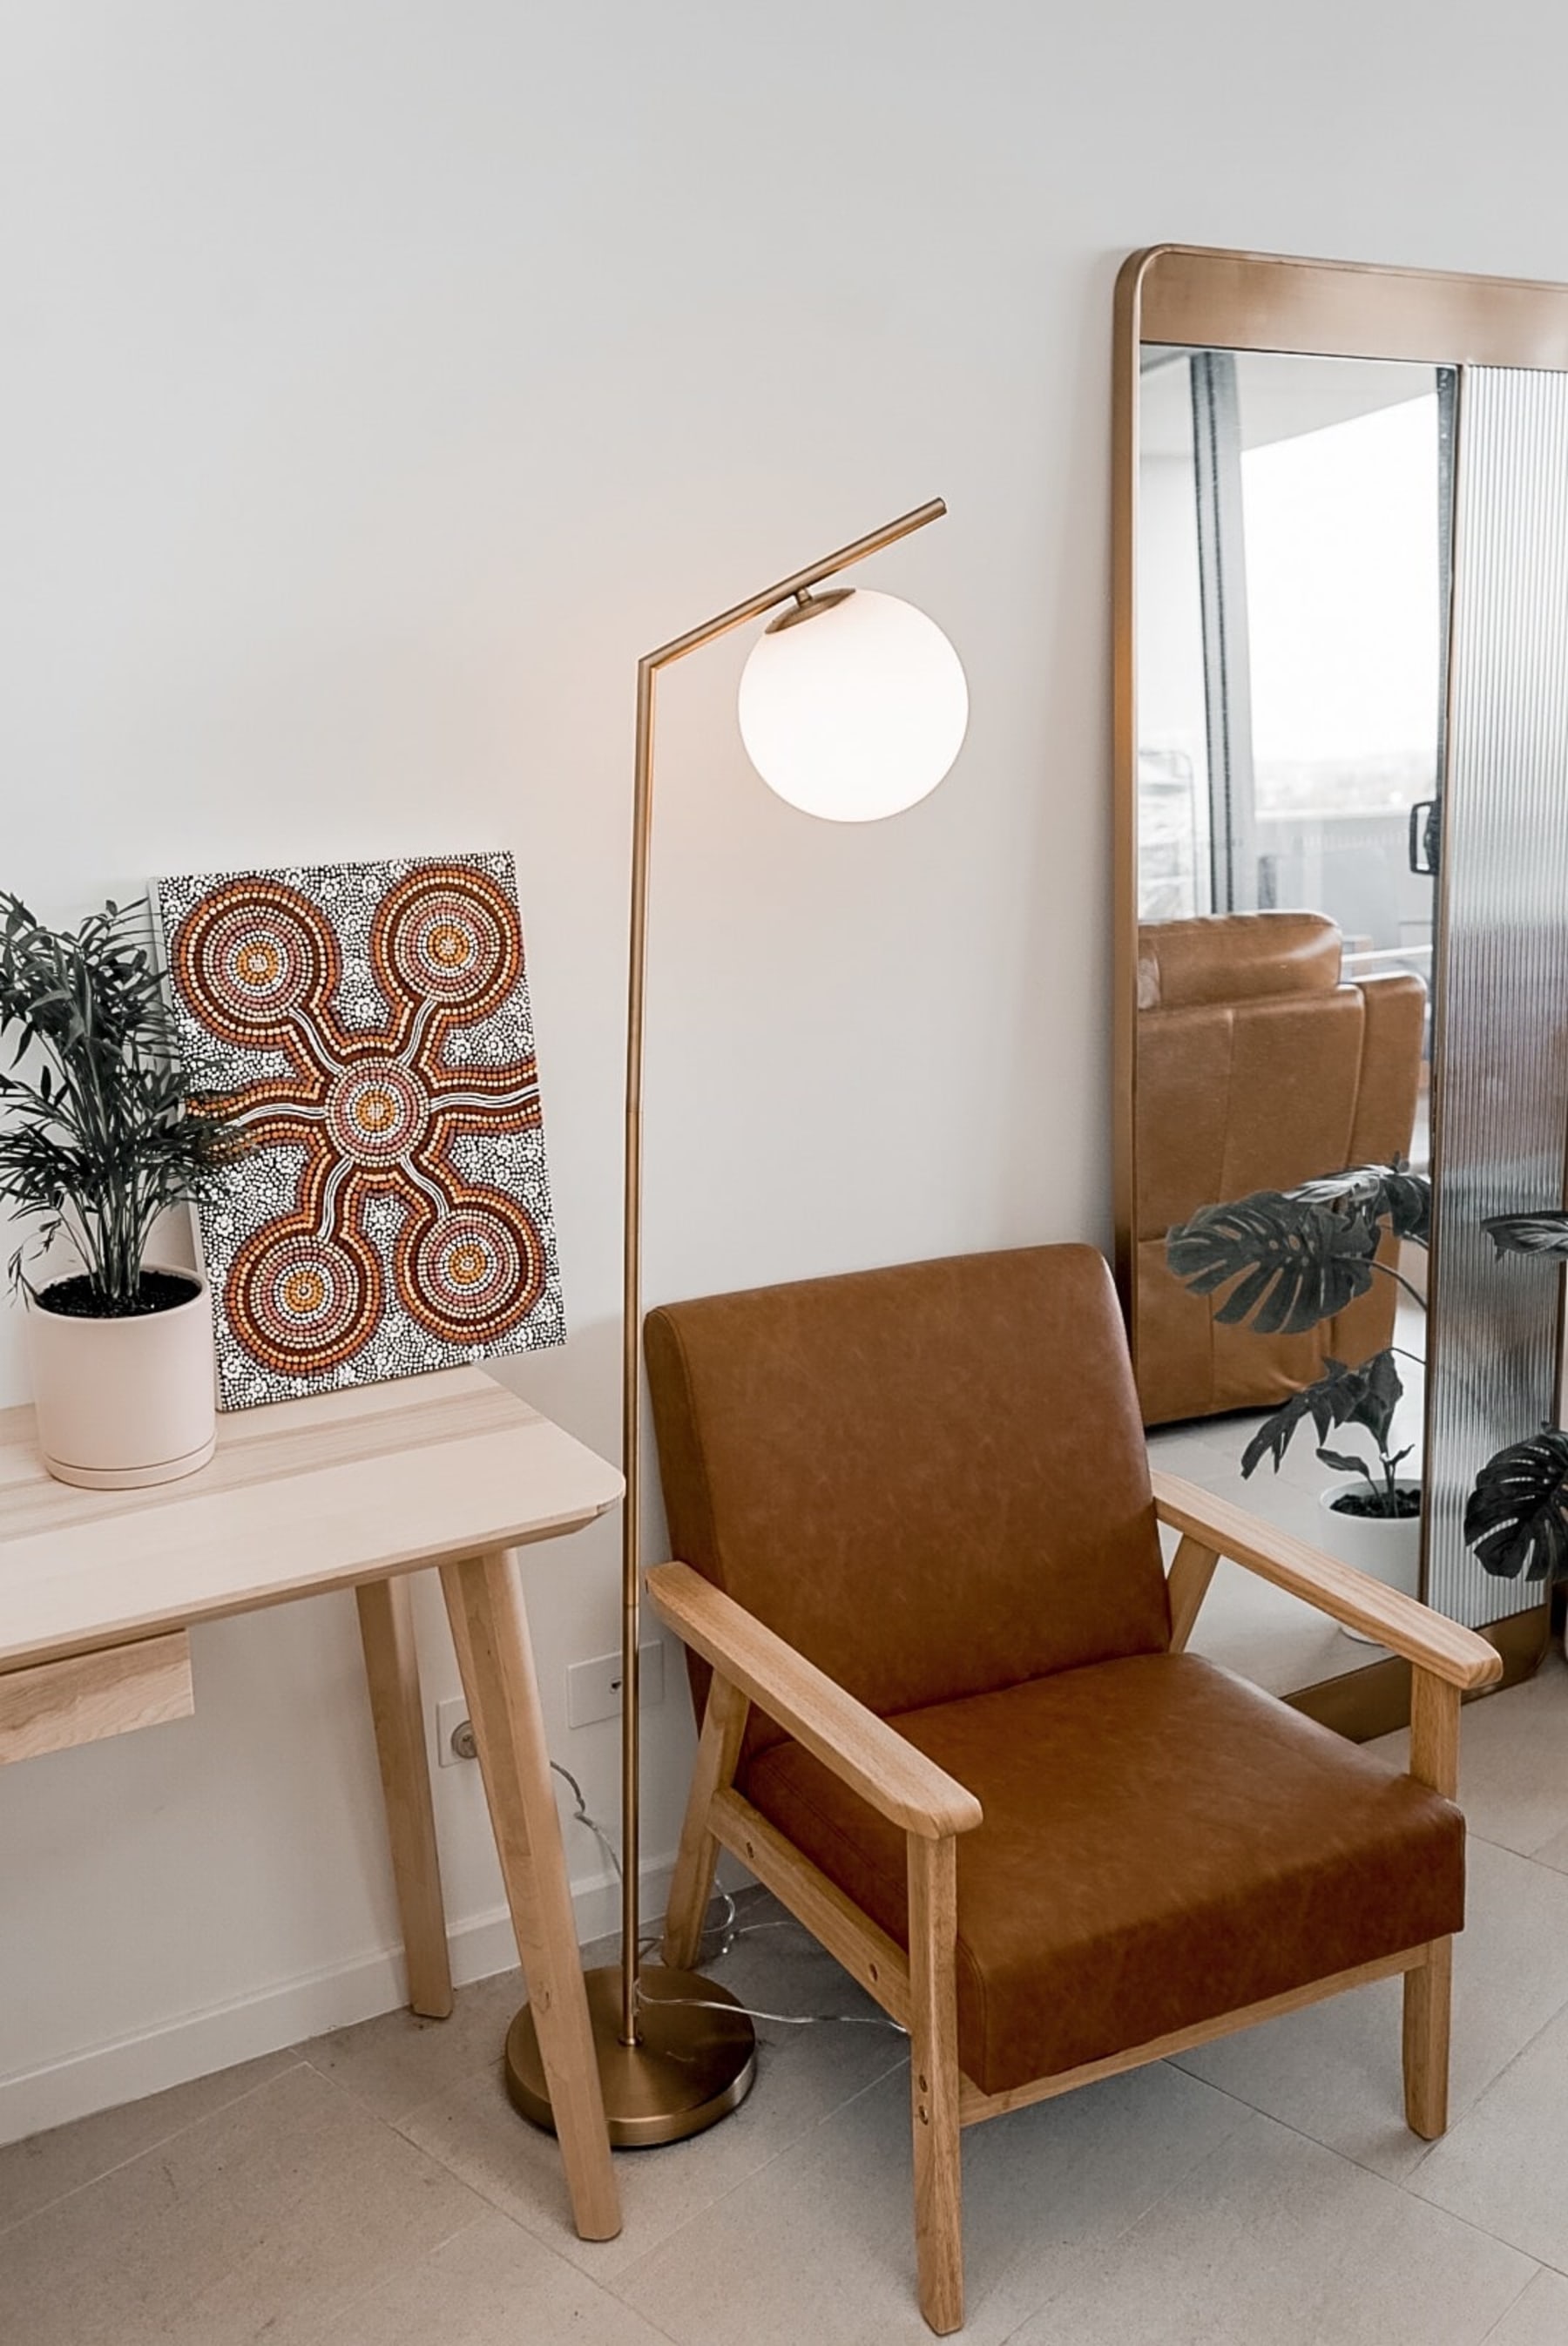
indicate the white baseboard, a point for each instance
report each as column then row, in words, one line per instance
column 269, row 2019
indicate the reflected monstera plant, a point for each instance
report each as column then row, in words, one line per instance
column 1516, row 1518
column 1289, row 1259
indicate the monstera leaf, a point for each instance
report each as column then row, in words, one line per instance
column 1365, row 1396
column 1294, row 1262
column 1516, row 1518
column 1383, row 1193
column 1528, row 1233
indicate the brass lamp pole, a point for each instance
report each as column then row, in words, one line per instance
column 676, row 2051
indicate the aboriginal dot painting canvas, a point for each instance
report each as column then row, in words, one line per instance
column 366, row 1027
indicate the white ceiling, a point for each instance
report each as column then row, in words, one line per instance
column 1281, row 396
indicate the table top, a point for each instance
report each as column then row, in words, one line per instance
column 301, row 1496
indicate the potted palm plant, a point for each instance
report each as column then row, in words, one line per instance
column 99, row 1139
column 1289, row 1260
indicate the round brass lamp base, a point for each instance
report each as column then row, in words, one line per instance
column 691, row 2066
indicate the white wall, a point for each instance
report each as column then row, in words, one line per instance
column 381, row 377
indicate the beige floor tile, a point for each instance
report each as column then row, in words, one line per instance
column 1538, row 2318
column 374, row 2188
column 771, row 1961
column 263, row 2220
column 47, row 2166
column 397, row 2060
column 820, row 2246
column 1333, row 2072
column 490, row 2285
column 803, row 2076
column 1513, row 1764
column 1554, row 1852
column 1269, row 1636
column 1501, row 2165
column 1258, row 1631
column 1276, row 2240
column 1208, row 1451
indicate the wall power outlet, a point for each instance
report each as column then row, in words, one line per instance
column 594, row 1689
column 453, row 1735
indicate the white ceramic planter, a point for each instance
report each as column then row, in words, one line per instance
column 1385, row 1548
column 123, row 1402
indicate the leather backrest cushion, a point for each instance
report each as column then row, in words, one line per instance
column 1231, row 1100
column 1394, row 1012
column 1236, row 957
column 932, row 1479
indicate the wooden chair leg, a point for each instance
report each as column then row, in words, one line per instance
column 1429, row 1991
column 490, row 1630
column 934, row 2080
column 1192, row 1569
column 691, row 1884
column 391, row 1674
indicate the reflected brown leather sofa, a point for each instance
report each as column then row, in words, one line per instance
column 1257, row 1068
column 947, row 1718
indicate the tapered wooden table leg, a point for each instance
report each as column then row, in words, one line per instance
column 391, row 1672
column 490, row 1630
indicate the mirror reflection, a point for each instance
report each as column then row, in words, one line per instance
column 1294, row 543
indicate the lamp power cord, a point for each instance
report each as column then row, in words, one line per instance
column 731, row 1930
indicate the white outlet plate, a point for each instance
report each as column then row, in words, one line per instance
column 448, row 1717
column 594, row 1689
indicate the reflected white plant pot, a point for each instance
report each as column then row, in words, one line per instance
column 125, row 1403
column 1385, row 1548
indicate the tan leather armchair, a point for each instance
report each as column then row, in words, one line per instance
column 948, row 1719
column 1257, row 1068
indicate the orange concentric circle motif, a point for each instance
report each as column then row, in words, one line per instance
column 305, row 1303
column 377, row 1111
column 450, row 937
column 470, row 1275
column 252, row 957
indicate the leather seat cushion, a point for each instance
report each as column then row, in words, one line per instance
column 1162, row 1844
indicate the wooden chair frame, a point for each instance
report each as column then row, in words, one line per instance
column 751, row 1665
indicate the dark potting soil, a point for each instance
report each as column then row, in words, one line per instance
column 78, row 1299
column 1371, row 1504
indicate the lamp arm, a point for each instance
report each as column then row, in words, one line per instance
column 755, row 605
column 648, row 667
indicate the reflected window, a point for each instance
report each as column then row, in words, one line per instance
column 1343, row 571
column 1293, row 551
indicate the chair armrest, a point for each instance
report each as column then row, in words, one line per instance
column 873, row 1758
column 1426, row 1640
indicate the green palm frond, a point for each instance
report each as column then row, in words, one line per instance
column 99, row 1136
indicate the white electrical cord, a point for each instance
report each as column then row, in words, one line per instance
column 787, row 2019
column 729, row 1933
column 582, row 1817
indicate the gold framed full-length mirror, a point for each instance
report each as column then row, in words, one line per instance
column 1341, row 796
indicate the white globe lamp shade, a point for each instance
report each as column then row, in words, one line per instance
column 854, row 707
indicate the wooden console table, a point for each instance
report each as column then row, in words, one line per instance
column 349, row 1490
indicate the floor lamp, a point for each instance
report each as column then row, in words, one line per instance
column 853, row 706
